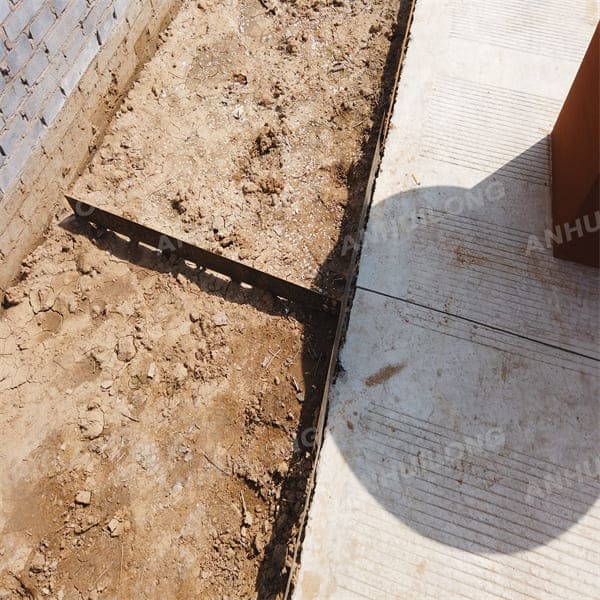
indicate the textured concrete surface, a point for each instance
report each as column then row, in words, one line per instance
column 460, row 457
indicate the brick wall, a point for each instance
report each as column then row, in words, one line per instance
column 46, row 47
column 64, row 65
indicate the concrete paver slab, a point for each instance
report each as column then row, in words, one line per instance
column 453, row 467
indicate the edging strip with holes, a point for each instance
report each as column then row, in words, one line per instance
column 204, row 258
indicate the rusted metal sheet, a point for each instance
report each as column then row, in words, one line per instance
column 576, row 166
column 203, row 258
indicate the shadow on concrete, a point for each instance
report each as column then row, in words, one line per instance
column 488, row 471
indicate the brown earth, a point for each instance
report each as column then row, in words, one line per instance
column 157, row 419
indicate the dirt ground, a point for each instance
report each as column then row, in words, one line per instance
column 157, row 419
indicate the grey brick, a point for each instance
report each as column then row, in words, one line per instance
column 58, row 66
column 9, row 175
column 2, row 157
column 73, row 46
column 68, row 22
column 105, row 27
column 91, row 20
column 120, row 8
column 12, row 97
column 58, row 6
column 35, row 67
column 33, row 136
column 79, row 67
column 21, row 15
column 52, row 107
column 19, row 55
column 4, row 10
column 34, row 104
column 12, row 134
column 41, row 24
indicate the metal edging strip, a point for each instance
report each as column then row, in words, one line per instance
column 346, row 302
column 237, row 271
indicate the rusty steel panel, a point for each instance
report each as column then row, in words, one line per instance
column 576, row 166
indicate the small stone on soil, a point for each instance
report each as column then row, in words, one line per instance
column 96, row 310
column 83, row 497
column 115, row 527
column 42, row 299
column 180, row 374
column 126, row 349
column 38, row 562
column 13, row 296
column 152, row 371
column 92, row 424
column 259, row 543
column 85, row 263
column 282, row 469
column 220, row 319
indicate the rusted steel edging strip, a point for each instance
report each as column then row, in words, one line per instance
column 203, row 258
column 346, row 302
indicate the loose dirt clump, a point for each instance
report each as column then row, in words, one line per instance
column 157, row 419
